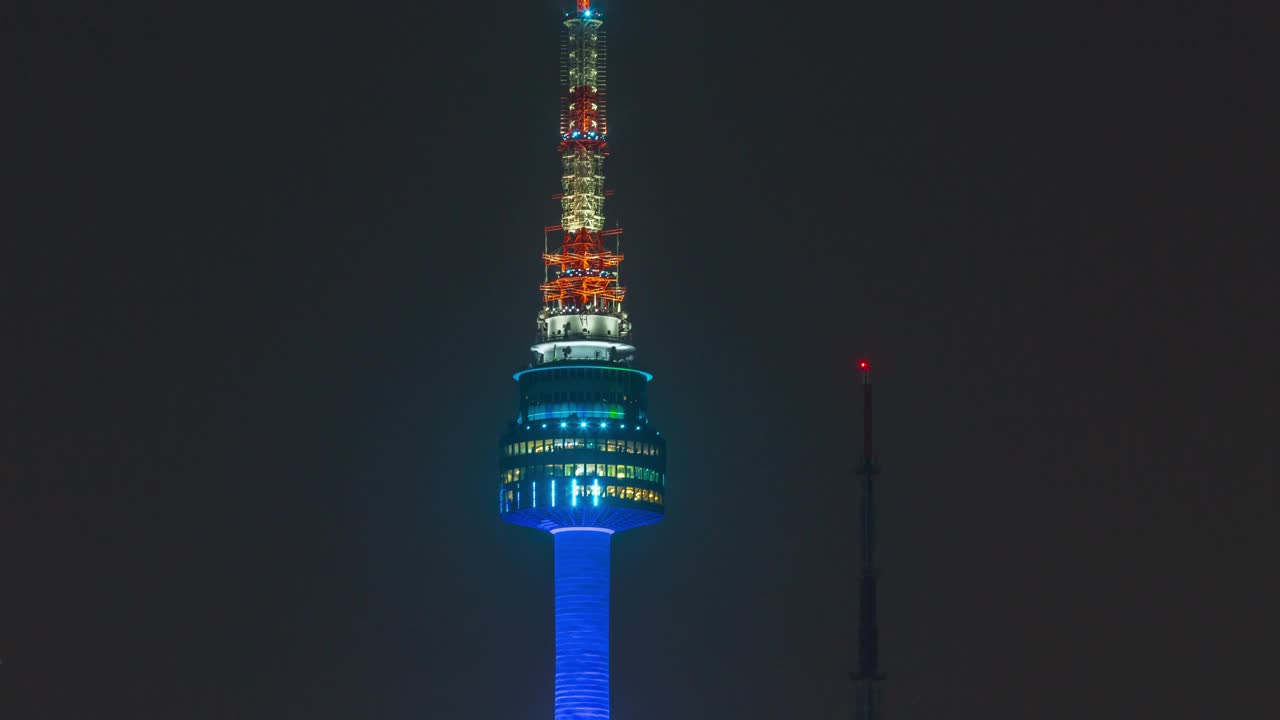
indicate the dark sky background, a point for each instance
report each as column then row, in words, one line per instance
column 268, row 269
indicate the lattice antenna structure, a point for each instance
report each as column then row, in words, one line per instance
column 583, row 273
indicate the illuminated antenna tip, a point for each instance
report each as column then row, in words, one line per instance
column 864, row 365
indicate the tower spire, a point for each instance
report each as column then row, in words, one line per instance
column 867, row 678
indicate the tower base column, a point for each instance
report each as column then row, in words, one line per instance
column 582, row 623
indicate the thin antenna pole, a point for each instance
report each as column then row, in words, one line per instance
column 868, row 677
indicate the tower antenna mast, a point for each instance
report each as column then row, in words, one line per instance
column 868, row 678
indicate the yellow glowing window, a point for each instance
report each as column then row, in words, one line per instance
column 559, row 443
column 591, row 469
column 580, row 469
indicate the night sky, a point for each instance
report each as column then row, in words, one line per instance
column 268, row 270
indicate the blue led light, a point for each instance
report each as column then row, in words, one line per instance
column 544, row 426
column 582, row 425
column 564, row 424
column 595, row 492
column 582, row 624
column 573, row 494
column 553, row 493
column 535, row 494
column 604, row 425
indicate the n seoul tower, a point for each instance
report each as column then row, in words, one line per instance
column 581, row 459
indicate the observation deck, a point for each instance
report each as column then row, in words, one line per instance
column 581, row 451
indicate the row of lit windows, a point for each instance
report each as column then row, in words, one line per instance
column 622, row 492
column 633, row 447
column 537, row 472
column 586, row 373
column 616, row 398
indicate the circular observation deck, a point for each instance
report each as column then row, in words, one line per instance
column 582, row 452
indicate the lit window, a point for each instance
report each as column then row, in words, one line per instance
column 559, row 443
column 580, row 469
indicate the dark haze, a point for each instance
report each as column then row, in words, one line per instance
column 268, row 269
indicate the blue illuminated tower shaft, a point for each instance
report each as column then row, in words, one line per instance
column 582, row 624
